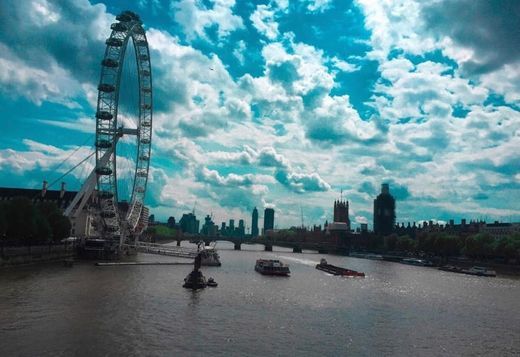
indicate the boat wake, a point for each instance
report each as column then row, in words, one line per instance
column 308, row 262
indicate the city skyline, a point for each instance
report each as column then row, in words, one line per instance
column 256, row 108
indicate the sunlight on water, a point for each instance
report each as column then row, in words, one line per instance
column 143, row 310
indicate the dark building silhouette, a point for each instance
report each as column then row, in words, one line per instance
column 189, row 223
column 171, row 222
column 209, row 228
column 384, row 211
column 254, row 223
column 341, row 212
column 268, row 219
column 61, row 198
column 231, row 230
column 241, row 230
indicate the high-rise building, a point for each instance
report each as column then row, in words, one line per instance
column 341, row 212
column 209, row 228
column 189, row 223
column 268, row 219
column 384, row 211
column 254, row 223
column 241, row 228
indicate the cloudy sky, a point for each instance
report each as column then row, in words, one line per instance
column 281, row 103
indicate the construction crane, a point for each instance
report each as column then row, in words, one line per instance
column 301, row 210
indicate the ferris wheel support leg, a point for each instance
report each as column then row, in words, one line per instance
column 86, row 189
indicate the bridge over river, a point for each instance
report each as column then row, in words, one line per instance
column 268, row 243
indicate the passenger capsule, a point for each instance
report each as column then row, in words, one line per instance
column 145, row 141
column 143, row 57
column 108, row 214
column 115, row 42
column 104, row 115
column 104, row 144
column 118, row 27
column 141, row 173
column 125, row 16
column 146, row 123
column 111, row 228
column 146, row 106
column 108, row 62
column 105, row 194
column 145, row 73
column 107, row 88
column 133, row 15
column 103, row 171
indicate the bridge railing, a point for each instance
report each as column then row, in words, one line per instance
column 155, row 248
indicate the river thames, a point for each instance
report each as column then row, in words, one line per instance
column 51, row 310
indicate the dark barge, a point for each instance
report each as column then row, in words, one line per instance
column 335, row 270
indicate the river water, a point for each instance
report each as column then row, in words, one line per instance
column 50, row 310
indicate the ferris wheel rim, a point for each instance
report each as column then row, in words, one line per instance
column 128, row 27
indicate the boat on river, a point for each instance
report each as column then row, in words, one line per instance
column 210, row 257
column 211, row 283
column 374, row 256
column 451, row 268
column 367, row 256
column 272, row 267
column 476, row 270
column 335, row 270
column 417, row 262
column 479, row 271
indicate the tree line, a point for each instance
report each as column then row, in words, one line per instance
column 476, row 246
column 25, row 222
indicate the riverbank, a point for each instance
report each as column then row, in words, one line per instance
column 503, row 269
column 26, row 255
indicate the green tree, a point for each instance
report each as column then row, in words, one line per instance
column 22, row 218
column 3, row 220
column 391, row 242
column 425, row 242
column 43, row 232
column 405, row 244
column 59, row 224
column 375, row 242
column 480, row 245
column 446, row 245
column 508, row 247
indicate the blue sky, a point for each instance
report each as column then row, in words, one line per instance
column 281, row 103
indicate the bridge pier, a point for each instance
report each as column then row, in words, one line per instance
column 206, row 243
column 297, row 250
column 268, row 248
column 178, row 243
column 238, row 246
